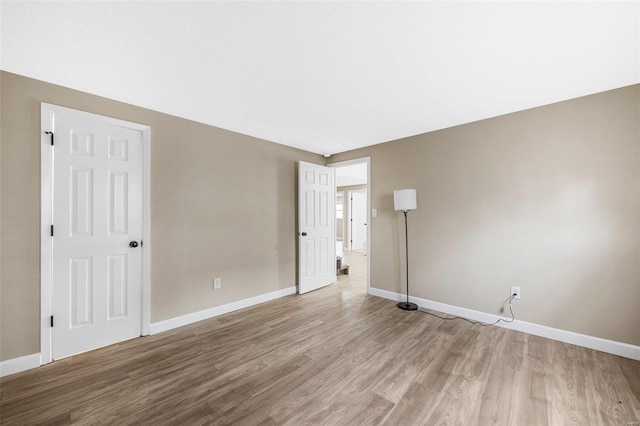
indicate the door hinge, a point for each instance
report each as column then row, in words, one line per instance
column 52, row 230
column 51, row 320
column 50, row 134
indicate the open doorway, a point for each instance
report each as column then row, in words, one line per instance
column 352, row 221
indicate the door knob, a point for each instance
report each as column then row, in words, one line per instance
column 304, row 234
column 133, row 244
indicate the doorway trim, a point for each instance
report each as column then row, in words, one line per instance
column 367, row 161
column 47, row 112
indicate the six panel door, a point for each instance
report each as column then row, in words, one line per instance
column 97, row 217
column 316, row 223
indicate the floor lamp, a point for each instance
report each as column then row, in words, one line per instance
column 404, row 200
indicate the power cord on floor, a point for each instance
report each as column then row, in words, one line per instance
column 477, row 322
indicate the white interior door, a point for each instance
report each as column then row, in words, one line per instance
column 358, row 212
column 316, row 226
column 96, row 248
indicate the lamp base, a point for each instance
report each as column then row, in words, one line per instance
column 408, row 306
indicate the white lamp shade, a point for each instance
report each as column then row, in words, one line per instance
column 404, row 200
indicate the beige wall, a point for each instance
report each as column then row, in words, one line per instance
column 546, row 199
column 222, row 205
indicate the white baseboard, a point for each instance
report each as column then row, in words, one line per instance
column 17, row 365
column 610, row 346
column 180, row 321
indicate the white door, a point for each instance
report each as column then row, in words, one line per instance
column 316, row 226
column 358, row 212
column 97, row 247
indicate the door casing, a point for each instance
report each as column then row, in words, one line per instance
column 47, row 118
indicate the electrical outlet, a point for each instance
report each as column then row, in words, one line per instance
column 515, row 291
column 217, row 283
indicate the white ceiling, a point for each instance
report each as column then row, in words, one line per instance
column 327, row 77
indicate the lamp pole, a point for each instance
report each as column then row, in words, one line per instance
column 407, row 306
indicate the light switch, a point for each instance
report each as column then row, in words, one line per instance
column 374, row 212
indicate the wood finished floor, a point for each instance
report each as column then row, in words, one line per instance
column 334, row 357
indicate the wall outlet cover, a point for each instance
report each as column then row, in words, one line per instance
column 516, row 291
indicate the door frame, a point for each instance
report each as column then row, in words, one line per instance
column 367, row 161
column 46, row 215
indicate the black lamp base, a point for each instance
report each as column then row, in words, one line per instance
column 408, row 306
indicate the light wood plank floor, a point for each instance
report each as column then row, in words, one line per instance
column 335, row 357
